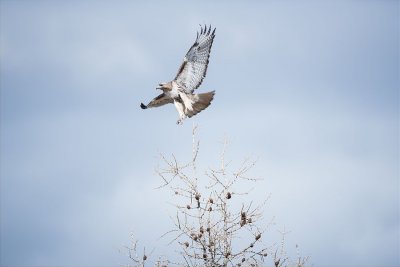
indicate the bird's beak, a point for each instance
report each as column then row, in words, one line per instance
column 160, row 85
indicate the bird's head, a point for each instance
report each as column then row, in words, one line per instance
column 160, row 86
column 164, row 86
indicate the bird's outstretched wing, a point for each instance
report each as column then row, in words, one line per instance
column 194, row 66
column 158, row 101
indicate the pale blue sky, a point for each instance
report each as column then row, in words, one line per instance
column 311, row 88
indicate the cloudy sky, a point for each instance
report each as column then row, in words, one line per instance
column 310, row 88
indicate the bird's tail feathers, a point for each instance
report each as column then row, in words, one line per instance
column 202, row 101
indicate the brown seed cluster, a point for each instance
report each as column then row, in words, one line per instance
column 193, row 236
column 243, row 218
column 258, row 236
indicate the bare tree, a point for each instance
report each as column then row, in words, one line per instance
column 213, row 226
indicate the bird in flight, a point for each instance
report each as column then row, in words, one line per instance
column 191, row 73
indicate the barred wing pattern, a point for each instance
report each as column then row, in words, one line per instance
column 194, row 66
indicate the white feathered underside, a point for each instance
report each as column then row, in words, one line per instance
column 188, row 100
column 180, row 108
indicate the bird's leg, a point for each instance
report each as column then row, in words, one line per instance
column 181, row 118
column 181, row 110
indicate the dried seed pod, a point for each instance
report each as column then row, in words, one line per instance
column 197, row 196
column 277, row 262
column 242, row 223
column 227, row 254
column 228, row 195
column 265, row 254
column 211, row 200
column 243, row 214
column 249, row 220
column 209, row 209
column 176, row 193
column 243, row 259
column 186, row 244
column 258, row 236
column 252, row 245
column 204, row 256
column 201, row 229
column 208, row 229
column 144, row 257
column 188, row 206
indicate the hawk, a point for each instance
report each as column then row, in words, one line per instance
column 191, row 73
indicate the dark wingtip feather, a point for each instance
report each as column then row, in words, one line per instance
column 143, row 106
column 206, row 30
